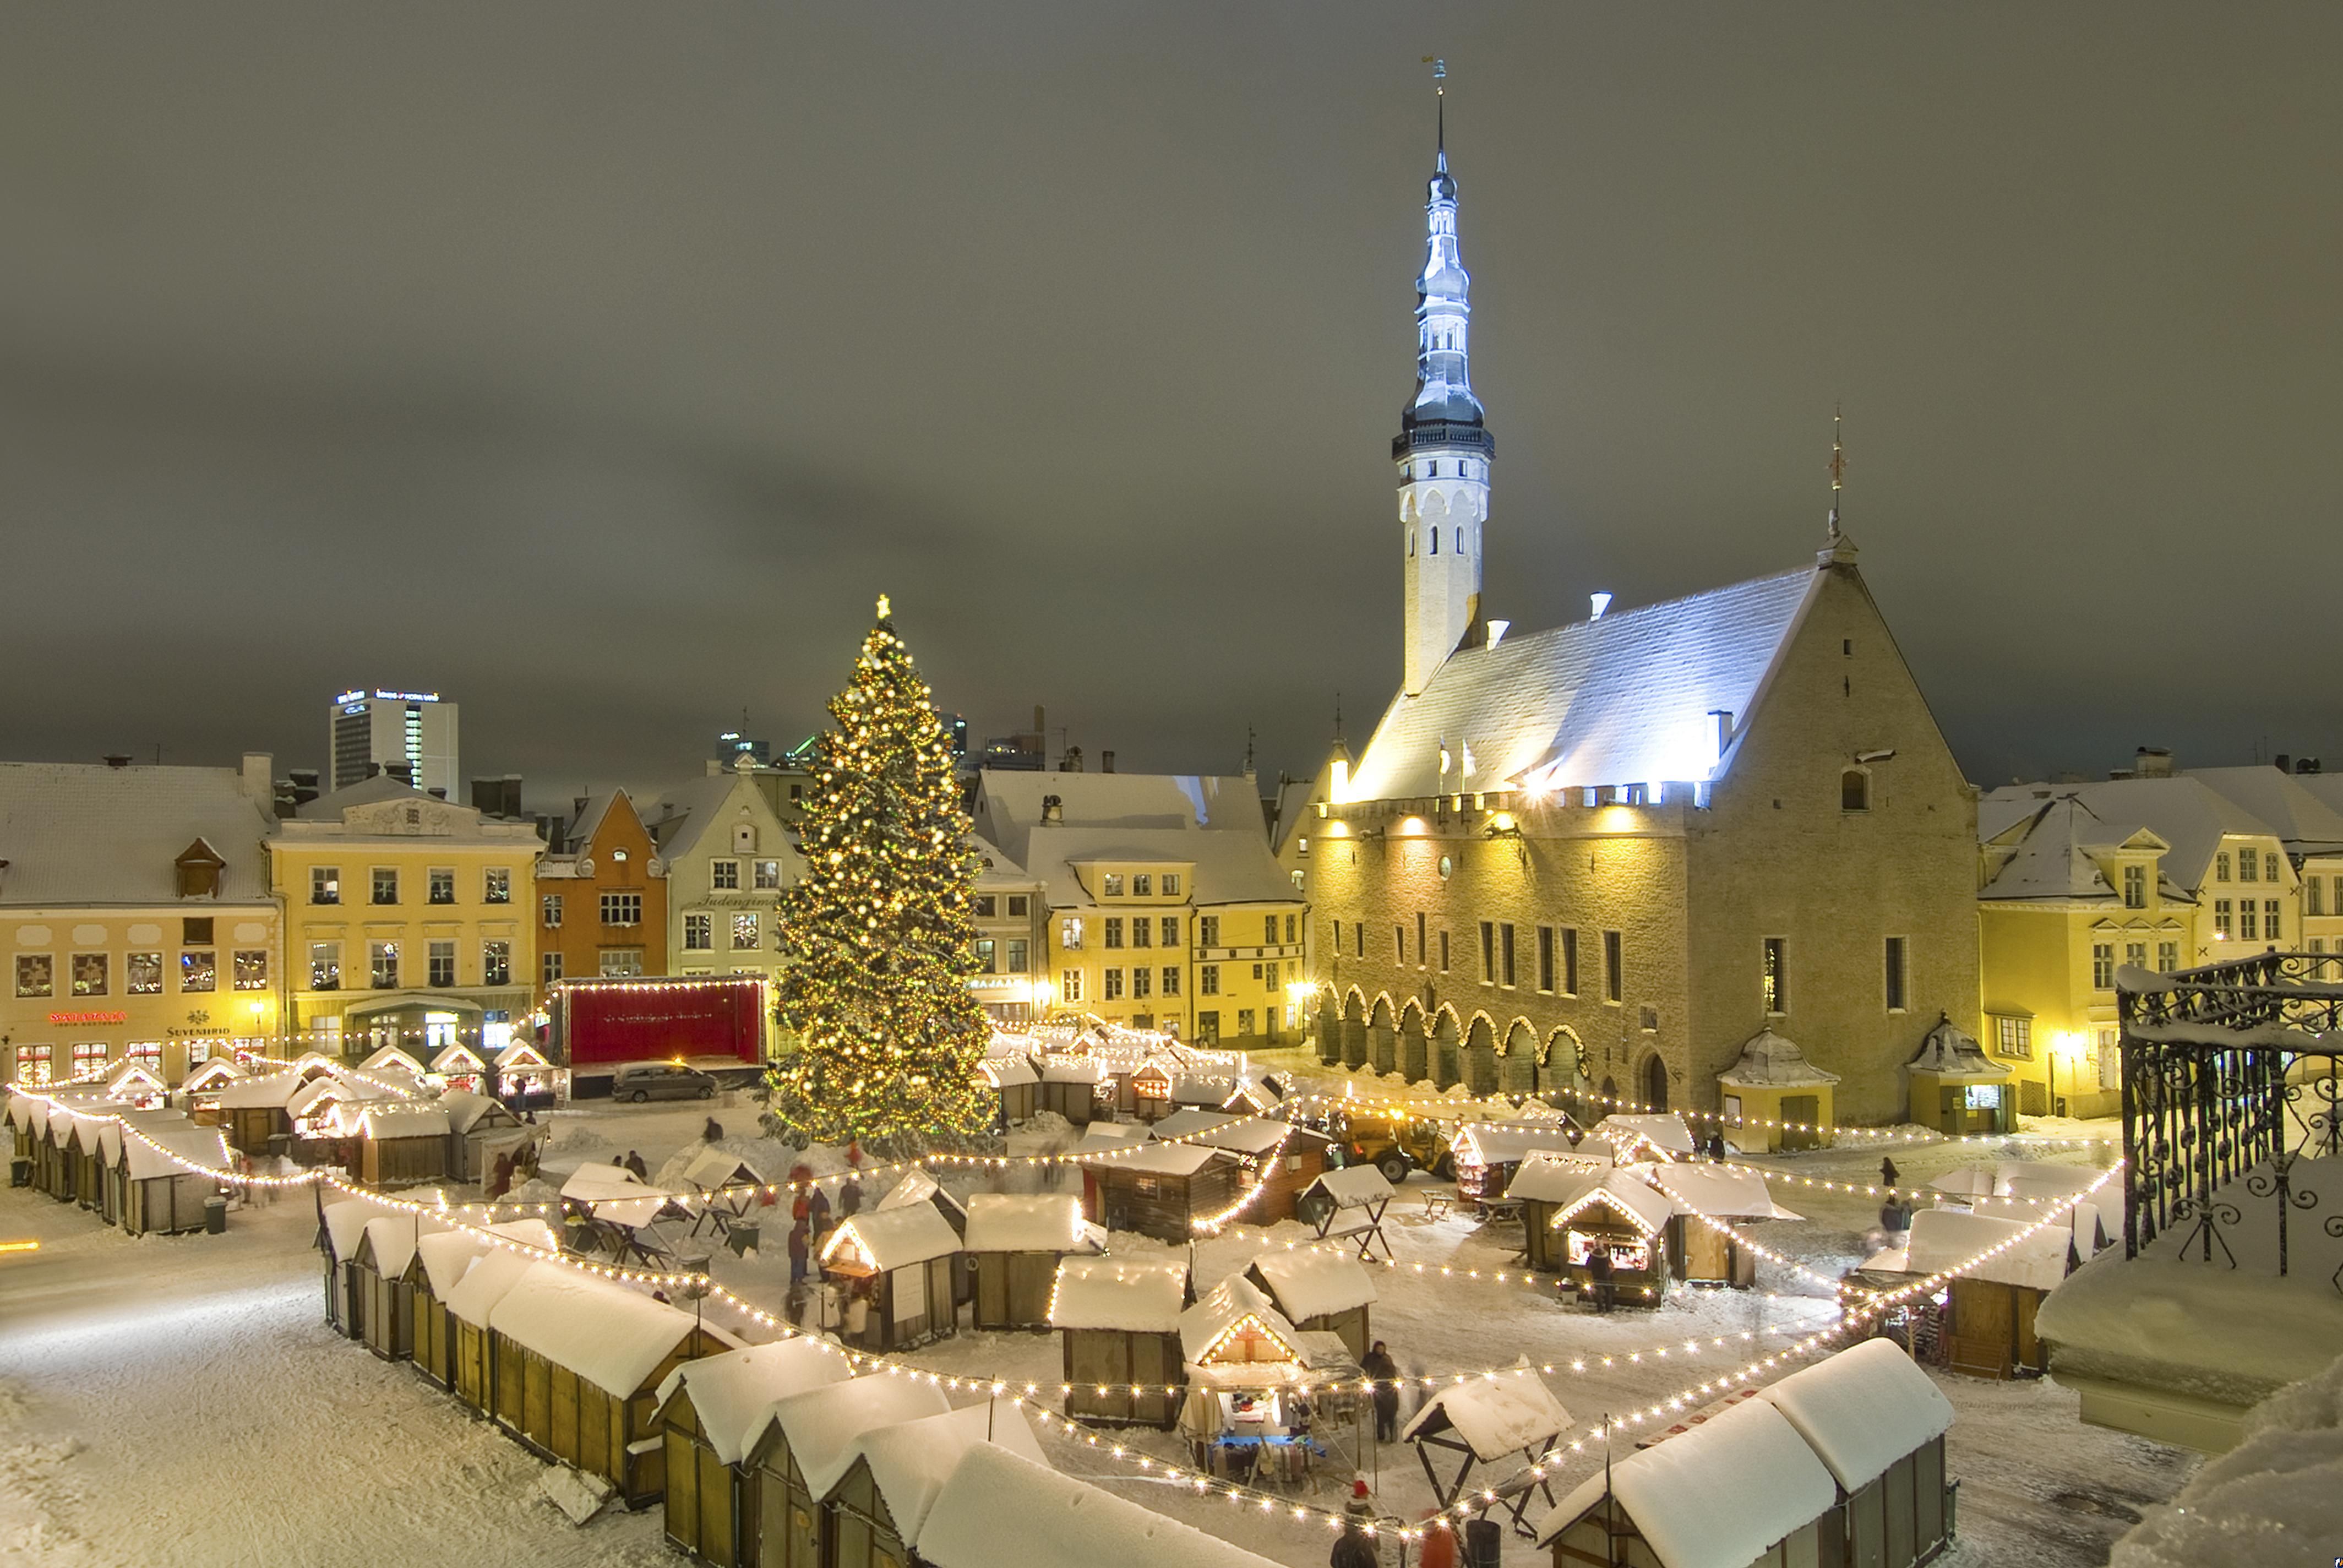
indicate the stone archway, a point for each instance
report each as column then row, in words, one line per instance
column 1479, row 1065
column 1354, row 1030
column 1519, row 1061
column 1382, row 1038
column 1655, row 1082
column 1414, row 1051
column 1445, row 1071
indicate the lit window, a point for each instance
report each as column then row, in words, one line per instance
column 496, row 963
column 620, row 963
column 33, row 1063
column 1142, row 885
column 142, row 974
column 698, row 932
column 382, row 965
column 36, row 974
column 198, row 970
column 324, row 884
column 2221, row 927
column 1069, row 985
column 325, row 965
column 1069, row 933
column 1170, row 886
column 2014, row 1037
column 251, row 968
column 1776, row 975
column 550, row 906
column 769, row 875
column 496, row 887
column 744, row 932
column 440, row 885
column 1113, row 885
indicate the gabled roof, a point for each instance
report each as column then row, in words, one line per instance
column 329, row 807
column 910, row 1462
column 610, row 1336
column 1137, row 1295
column 821, row 1424
column 733, row 1394
column 2187, row 812
column 1226, row 1307
column 1497, row 1416
column 2305, row 821
column 895, row 1238
column 1948, row 1239
column 703, row 805
column 1315, row 1281
column 90, row 835
column 1017, row 1222
column 1212, row 824
column 1001, row 1510
column 1862, row 1410
column 1624, row 700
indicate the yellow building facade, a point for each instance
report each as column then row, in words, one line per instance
column 408, row 920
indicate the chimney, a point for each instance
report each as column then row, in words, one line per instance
column 1039, row 729
column 1053, row 809
column 1601, row 602
column 118, row 760
column 257, row 779
column 1106, row 763
column 1724, row 717
column 1072, row 762
column 2153, row 762
column 2284, row 763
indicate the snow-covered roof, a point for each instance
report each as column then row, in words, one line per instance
column 1662, row 1130
column 2186, row 812
column 446, row 1255
column 612, row 1337
column 1623, row 1192
column 1007, row 1071
column 1627, row 698
column 466, row 1111
column 132, row 1077
column 1945, row 1239
column 1213, row 826
column 391, row 1059
column 1190, row 1120
column 1560, row 1176
column 1506, row 1142
column 1045, row 1222
column 917, row 1186
column 111, row 1132
column 1236, row 1303
column 1768, row 1061
column 457, row 1057
column 911, row 1460
column 2049, row 854
column 1315, row 1281
column 207, row 1075
column 1353, row 1186
column 271, row 1089
column 78, row 835
column 821, row 1424
column 345, row 1223
column 480, row 1287
column 181, row 1146
column 895, row 1238
column 1168, row 1160
column 712, row 1168
column 1497, row 1416
column 1950, row 1051
column 1001, row 1510
column 1101, row 1136
column 389, row 1121
column 1137, row 1296
column 613, row 1192
column 1259, row 1135
column 392, row 1241
column 1718, row 1496
column 2303, row 819
column 1862, row 1410
column 1719, row 1191
column 2042, row 1179
column 734, row 1394
column 1072, row 1070
column 520, row 1053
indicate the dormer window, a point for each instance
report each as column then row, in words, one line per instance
column 198, row 871
column 1142, row 885
column 2135, row 887
column 1111, row 886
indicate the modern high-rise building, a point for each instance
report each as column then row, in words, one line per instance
column 409, row 735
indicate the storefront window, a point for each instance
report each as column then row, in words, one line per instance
column 198, row 969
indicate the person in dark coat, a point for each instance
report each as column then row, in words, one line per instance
column 849, row 1198
column 1888, row 1175
column 713, row 1133
column 800, row 1245
column 1716, row 1145
column 1598, row 1274
column 817, row 1210
column 635, row 1163
column 1380, row 1366
column 1352, row 1548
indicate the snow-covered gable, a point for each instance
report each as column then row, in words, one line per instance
column 1189, row 1121
column 1560, row 1176
column 1719, row 1191
column 1130, row 1295
column 1048, row 1222
column 131, row 1079
column 823, row 1424
column 1315, row 1281
column 1508, row 1142
column 1862, row 1410
column 1235, row 1305
column 391, row 1059
column 345, row 1223
column 446, row 1255
column 612, row 1337
column 466, row 1110
column 179, row 1147
column 1948, row 1239
column 911, row 1461
column 918, row 1187
column 1168, row 1160
column 894, row 1238
column 1624, row 700
column 1007, row 1071
column 1001, row 1510
column 271, row 1091
column 392, row 1121
column 457, row 1057
column 1718, row 1496
column 734, row 1394
column 1664, row 1130
column 1620, row 1194
column 1497, row 1417
column 211, row 1075
column 1353, row 1186
column 612, row 1193
column 484, row 1283
column 392, row 1240
column 712, row 1168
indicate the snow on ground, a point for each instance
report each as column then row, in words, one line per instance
column 190, row 1370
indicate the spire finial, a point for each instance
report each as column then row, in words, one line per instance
column 1837, row 472
column 1338, row 717
column 885, row 608
column 1440, row 103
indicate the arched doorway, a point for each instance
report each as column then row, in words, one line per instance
column 1655, row 1084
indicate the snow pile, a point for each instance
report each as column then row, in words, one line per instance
column 575, row 1493
column 1495, row 1416
column 2198, row 1329
column 1862, row 1410
column 1000, row 1511
column 2275, row 1500
column 1315, row 1281
column 576, row 1138
column 911, row 1461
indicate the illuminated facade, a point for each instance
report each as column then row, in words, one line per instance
column 601, row 900
column 409, row 735
column 728, row 858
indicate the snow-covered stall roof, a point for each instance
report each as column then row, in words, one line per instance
column 1966, row 1181
column 132, row 1077
column 823, row 1424
column 458, row 1057
column 390, row 1057
column 466, row 1110
column 1046, row 1222
column 1506, row 1142
column 1496, row 1416
column 1130, row 1294
column 1168, row 1160
column 895, row 1238
column 446, row 1255
column 734, row 1394
column 181, row 1146
column 1007, row 1071
column 919, row 1187
column 210, row 1075
column 111, row 1131
column 495, row 1272
column 1315, row 1281
column 1719, row 1191
column 1189, row 1121
column 1557, row 1176
column 1353, row 1186
column 1259, row 1135
column 2042, row 1179
column 1233, row 1304
column 345, row 1223
column 1106, row 1137
column 1001, row 1510
column 613, row 1192
column 713, row 1167
column 520, row 1053
column 1946, row 1239
column 1072, row 1070
column 272, row 1090
column 911, row 1460
column 384, row 1122
column 1664, row 1130
column 394, row 1238
column 1862, row 1410
column 1718, row 1496
column 612, row 1337
column 1621, row 1192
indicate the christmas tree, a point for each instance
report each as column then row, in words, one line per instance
column 880, row 929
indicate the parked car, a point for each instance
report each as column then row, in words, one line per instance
column 641, row 1081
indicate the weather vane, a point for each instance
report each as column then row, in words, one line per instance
column 1440, row 95
column 1837, row 471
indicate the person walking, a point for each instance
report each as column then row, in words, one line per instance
column 1716, row 1145
column 1598, row 1274
column 635, row 1163
column 1888, row 1175
column 1352, row 1548
column 1439, row 1549
column 801, row 1248
column 1380, row 1366
column 849, row 1198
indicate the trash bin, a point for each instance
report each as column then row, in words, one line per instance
column 214, row 1215
column 20, row 1170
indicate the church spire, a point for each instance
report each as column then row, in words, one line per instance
column 1444, row 446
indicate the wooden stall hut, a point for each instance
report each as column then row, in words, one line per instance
column 900, row 1261
column 916, row 1187
column 1119, row 1322
column 477, row 1291
column 1486, row 1153
column 1731, row 1196
column 394, row 1064
column 874, row 1513
column 1319, row 1289
column 1628, row 1217
column 58, row 1160
column 113, row 1180
column 341, row 1226
column 524, row 1074
column 1276, row 1161
column 1542, row 1184
column 459, row 1069
column 384, row 1271
column 198, row 1093
column 1346, row 1207
column 1069, row 1086
column 158, row 1193
column 1877, row 1423
column 1187, row 1121
column 400, row 1144
column 1658, row 1135
column 83, row 1161
column 1775, row 1098
column 442, row 1257
column 579, row 1362
column 1235, row 1332
column 1014, row 1244
column 1016, row 1087
column 802, row 1449
column 1956, row 1089
column 1502, row 1424
column 1145, row 1091
column 708, row 1412
column 40, row 1156
column 479, row 1129
column 133, row 1083
column 1742, row 1488
column 253, row 1111
column 1164, row 1188
column 1988, row 1324
column 1001, row 1510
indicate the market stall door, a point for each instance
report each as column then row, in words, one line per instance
column 1154, row 1363
column 682, row 1501
column 1032, row 1276
column 992, row 1290
column 1708, row 1253
column 714, row 1506
column 941, row 1317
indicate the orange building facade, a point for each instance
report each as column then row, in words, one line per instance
column 601, row 900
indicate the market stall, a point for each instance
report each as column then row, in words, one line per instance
column 1626, row 1218
column 1485, row 1155
column 898, row 1263
column 158, row 1194
column 1496, row 1423
column 1730, row 1196
column 1069, row 1086
column 474, row 1296
column 1245, row 1417
column 1346, row 1206
column 1001, row 1510
column 1014, row 1244
column 383, row 1274
column 1544, row 1182
column 1276, row 1161
column 1163, row 1189
column 1318, row 1288
column 1988, row 1324
column 804, row 1447
column 1120, row 1321
column 707, row 1413
column 444, row 1257
column 1877, row 1423
column 479, row 1129
column 873, row 1514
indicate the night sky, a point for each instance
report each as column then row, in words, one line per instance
column 598, row 365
